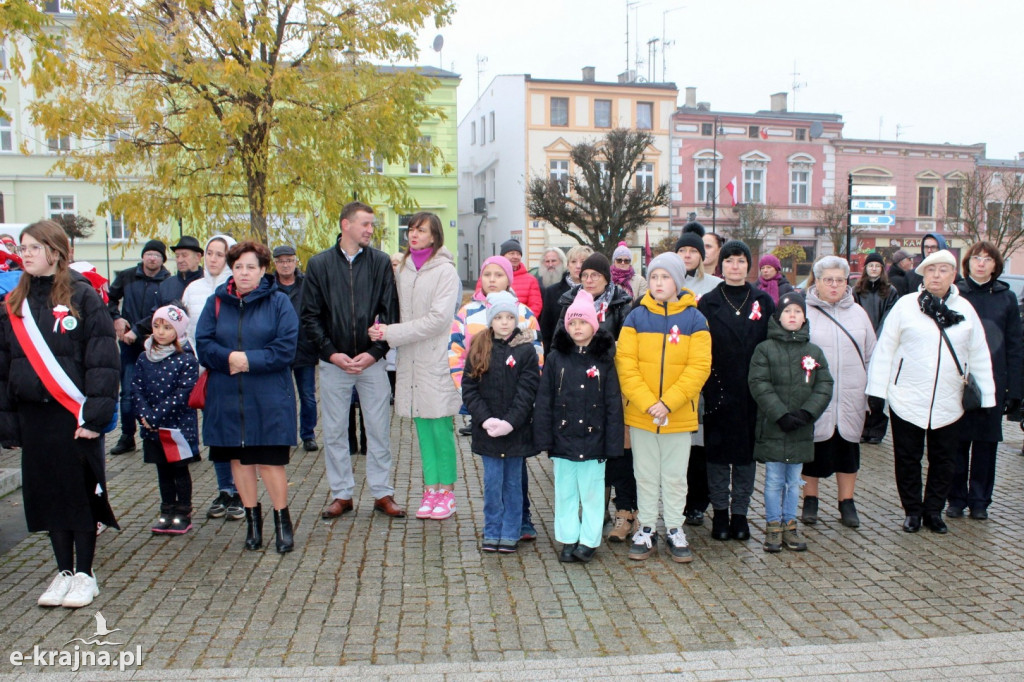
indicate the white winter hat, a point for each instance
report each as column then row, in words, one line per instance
column 942, row 256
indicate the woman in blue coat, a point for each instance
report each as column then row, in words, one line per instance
column 246, row 339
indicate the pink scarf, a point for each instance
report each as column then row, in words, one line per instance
column 623, row 278
column 420, row 256
column 770, row 286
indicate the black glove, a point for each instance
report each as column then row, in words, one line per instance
column 791, row 421
column 876, row 404
column 1012, row 408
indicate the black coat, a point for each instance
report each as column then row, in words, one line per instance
column 730, row 412
column 579, row 416
column 619, row 306
column 997, row 307
column 550, row 315
column 171, row 292
column 506, row 391
column 898, row 278
column 133, row 295
column 305, row 354
column 876, row 302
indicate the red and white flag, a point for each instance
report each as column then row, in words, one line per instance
column 731, row 189
column 764, row 133
column 176, row 448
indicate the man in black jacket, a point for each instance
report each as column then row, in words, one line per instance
column 188, row 256
column 290, row 281
column 133, row 297
column 348, row 288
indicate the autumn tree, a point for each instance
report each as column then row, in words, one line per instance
column 76, row 227
column 832, row 218
column 24, row 21
column 606, row 198
column 987, row 206
column 666, row 244
column 754, row 221
column 239, row 115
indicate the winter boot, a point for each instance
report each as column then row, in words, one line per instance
column 623, row 526
column 773, row 537
column 720, row 524
column 254, row 527
column 848, row 512
column 791, row 537
column 739, row 529
column 283, row 531
column 810, row 513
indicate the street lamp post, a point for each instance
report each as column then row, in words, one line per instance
column 714, row 182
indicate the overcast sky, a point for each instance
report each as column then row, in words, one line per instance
column 941, row 70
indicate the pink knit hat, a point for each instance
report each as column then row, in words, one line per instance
column 174, row 316
column 501, row 262
column 583, row 308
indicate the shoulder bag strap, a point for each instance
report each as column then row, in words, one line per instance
column 848, row 335
column 949, row 345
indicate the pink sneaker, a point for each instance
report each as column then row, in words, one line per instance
column 444, row 505
column 427, row 504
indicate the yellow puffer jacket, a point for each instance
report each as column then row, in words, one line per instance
column 663, row 353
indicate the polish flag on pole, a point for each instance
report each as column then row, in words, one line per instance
column 731, row 189
column 176, row 448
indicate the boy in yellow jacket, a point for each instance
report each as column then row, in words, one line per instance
column 663, row 358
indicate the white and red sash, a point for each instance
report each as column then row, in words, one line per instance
column 39, row 355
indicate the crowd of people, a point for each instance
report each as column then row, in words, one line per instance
column 658, row 394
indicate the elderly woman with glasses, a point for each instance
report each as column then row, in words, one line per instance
column 624, row 275
column 843, row 330
column 915, row 370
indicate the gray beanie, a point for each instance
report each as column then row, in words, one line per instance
column 670, row 263
column 510, row 245
column 501, row 302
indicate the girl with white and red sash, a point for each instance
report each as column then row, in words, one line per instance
column 59, row 376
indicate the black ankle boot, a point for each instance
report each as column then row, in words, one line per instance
column 810, row 512
column 254, row 527
column 739, row 529
column 720, row 524
column 283, row 531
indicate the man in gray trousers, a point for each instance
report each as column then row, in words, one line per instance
column 348, row 288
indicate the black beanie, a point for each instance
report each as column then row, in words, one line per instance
column 691, row 239
column 734, row 247
column 788, row 299
column 874, row 257
column 598, row 262
column 694, row 227
column 156, row 245
column 510, row 245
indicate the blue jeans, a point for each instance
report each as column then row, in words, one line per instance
column 503, row 499
column 128, row 358
column 305, row 387
column 781, row 491
column 225, row 479
column 527, row 519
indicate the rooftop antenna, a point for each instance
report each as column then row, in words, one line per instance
column 652, row 57
column 899, row 130
column 796, row 84
column 481, row 61
column 666, row 43
column 438, row 45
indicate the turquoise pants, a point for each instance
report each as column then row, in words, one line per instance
column 579, row 501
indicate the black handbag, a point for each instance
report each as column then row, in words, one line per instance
column 971, row 399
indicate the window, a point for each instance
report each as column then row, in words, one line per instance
column 6, row 134
column 602, row 167
column 799, row 185
column 403, row 229
column 926, row 201
column 993, row 215
column 645, row 178
column 3, row 60
column 645, row 115
column 560, row 173
column 2, row 220
column 118, row 227
column 116, row 136
column 559, row 111
column 483, row 131
column 60, row 206
column 705, row 185
column 53, row 7
column 707, row 129
column 801, row 134
column 374, row 163
column 753, row 185
column 753, row 131
column 489, row 182
column 953, row 202
column 602, row 113
column 60, row 144
column 472, row 132
column 491, row 117
column 421, row 166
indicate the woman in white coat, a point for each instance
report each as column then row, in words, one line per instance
column 913, row 369
column 429, row 291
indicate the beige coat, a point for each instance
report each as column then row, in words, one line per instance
column 427, row 300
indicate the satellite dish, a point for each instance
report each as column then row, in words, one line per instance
column 438, row 42
column 816, row 128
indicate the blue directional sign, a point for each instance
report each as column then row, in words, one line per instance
column 873, row 205
column 873, row 220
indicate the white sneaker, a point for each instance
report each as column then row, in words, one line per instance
column 83, row 590
column 54, row 595
column 427, row 504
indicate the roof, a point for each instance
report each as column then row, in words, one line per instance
column 785, row 115
column 430, row 71
column 604, row 84
column 977, row 146
column 1002, row 163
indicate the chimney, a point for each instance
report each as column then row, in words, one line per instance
column 588, row 74
column 627, row 76
column 703, row 106
column 691, row 97
column 779, row 101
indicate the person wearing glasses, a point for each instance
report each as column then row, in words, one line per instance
column 549, row 317
column 913, row 368
column 624, row 275
column 931, row 243
column 981, row 430
column 843, row 330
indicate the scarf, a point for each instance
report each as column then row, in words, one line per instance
column 155, row 352
column 602, row 302
column 935, row 308
column 770, row 286
column 623, row 279
column 420, row 256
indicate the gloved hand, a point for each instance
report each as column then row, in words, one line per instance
column 791, row 421
column 1012, row 409
column 502, row 428
column 876, row 404
column 489, row 424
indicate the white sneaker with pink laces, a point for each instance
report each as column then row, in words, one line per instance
column 427, row 504
column 444, row 505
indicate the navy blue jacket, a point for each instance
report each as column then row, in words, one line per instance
column 170, row 293
column 255, row 407
column 133, row 296
column 305, row 355
column 160, row 396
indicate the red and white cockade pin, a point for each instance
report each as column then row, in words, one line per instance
column 755, row 311
column 593, row 372
column 602, row 313
column 808, row 364
column 511, row 362
column 673, row 335
column 61, row 319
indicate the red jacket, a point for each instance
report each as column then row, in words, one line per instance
column 526, row 289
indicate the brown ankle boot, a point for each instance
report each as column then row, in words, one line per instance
column 623, row 527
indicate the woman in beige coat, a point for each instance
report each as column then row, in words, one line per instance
column 429, row 291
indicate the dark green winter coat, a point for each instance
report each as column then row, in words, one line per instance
column 780, row 384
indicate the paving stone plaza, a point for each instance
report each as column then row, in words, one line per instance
column 375, row 598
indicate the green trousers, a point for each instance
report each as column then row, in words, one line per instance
column 437, row 450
